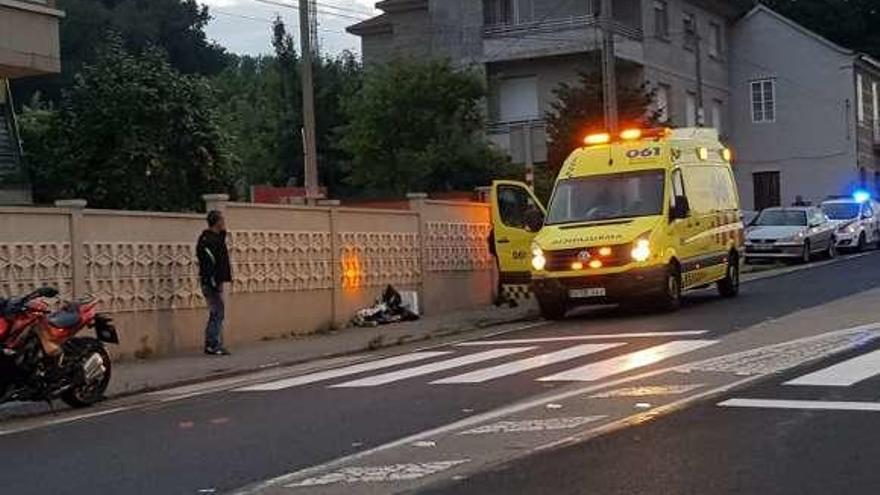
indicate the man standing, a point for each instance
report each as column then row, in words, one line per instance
column 214, row 271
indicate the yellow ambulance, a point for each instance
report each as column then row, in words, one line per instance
column 638, row 217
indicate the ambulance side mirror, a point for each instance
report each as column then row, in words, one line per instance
column 681, row 208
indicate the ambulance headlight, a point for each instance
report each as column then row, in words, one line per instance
column 641, row 250
column 538, row 259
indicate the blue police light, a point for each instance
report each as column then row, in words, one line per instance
column 861, row 196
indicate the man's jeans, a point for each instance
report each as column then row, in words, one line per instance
column 217, row 312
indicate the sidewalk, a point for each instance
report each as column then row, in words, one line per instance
column 133, row 376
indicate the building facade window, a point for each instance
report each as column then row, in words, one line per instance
column 689, row 27
column 690, row 110
column 507, row 12
column 766, row 189
column 661, row 19
column 763, row 101
column 662, row 102
column 876, row 101
column 716, row 116
column 860, row 98
column 518, row 99
column 715, row 38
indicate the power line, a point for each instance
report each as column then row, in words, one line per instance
column 265, row 20
column 323, row 12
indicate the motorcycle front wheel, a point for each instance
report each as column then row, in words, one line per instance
column 91, row 372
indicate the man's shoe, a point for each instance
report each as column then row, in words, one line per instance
column 216, row 351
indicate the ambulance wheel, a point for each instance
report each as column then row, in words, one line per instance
column 552, row 309
column 729, row 285
column 670, row 300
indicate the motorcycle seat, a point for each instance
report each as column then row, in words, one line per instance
column 66, row 318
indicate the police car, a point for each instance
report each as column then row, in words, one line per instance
column 856, row 219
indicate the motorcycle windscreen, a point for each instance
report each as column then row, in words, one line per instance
column 105, row 330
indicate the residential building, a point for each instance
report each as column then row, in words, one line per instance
column 29, row 46
column 801, row 113
column 527, row 48
column 804, row 113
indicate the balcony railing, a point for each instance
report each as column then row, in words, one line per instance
column 557, row 24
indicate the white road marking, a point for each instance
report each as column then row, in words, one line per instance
column 530, row 425
column 394, row 376
column 843, row 374
column 648, row 390
column 687, row 333
column 525, row 405
column 379, row 474
column 802, row 404
column 486, row 374
column 340, row 372
column 627, row 362
column 64, row 420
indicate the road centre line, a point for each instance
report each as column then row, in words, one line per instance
column 514, row 367
column 842, row 374
column 539, row 401
column 802, row 404
column 585, row 337
column 394, row 376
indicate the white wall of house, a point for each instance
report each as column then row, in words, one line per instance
column 805, row 132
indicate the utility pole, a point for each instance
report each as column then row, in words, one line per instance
column 695, row 40
column 609, row 75
column 310, row 148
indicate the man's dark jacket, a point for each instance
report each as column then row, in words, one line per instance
column 213, row 255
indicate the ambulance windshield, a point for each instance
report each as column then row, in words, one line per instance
column 607, row 197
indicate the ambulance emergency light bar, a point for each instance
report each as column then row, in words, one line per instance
column 627, row 135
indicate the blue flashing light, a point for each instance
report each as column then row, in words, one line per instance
column 861, row 196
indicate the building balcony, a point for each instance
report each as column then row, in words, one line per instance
column 559, row 36
column 29, row 39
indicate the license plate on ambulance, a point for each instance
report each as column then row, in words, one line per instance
column 586, row 293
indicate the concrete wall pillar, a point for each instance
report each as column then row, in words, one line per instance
column 74, row 209
column 418, row 202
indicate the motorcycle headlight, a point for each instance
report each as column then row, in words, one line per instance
column 538, row 259
column 641, row 250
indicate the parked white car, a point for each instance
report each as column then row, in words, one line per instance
column 797, row 233
column 857, row 223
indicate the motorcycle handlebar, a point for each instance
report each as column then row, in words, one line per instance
column 15, row 306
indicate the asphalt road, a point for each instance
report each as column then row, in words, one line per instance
column 781, row 446
column 217, row 442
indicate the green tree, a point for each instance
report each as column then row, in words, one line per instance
column 176, row 26
column 850, row 23
column 418, row 127
column 578, row 111
column 132, row 133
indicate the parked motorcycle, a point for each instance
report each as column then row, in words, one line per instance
column 41, row 358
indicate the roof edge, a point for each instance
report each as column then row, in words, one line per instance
column 380, row 24
column 761, row 8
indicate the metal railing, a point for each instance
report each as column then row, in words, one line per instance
column 557, row 24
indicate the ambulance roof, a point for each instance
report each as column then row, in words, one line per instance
column 673, row 149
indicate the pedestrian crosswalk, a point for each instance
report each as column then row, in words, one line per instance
column 844, row 374
column 835, row 377
column 427, row 369
column 507, row 369
column 461, row 365
column 627, row 362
